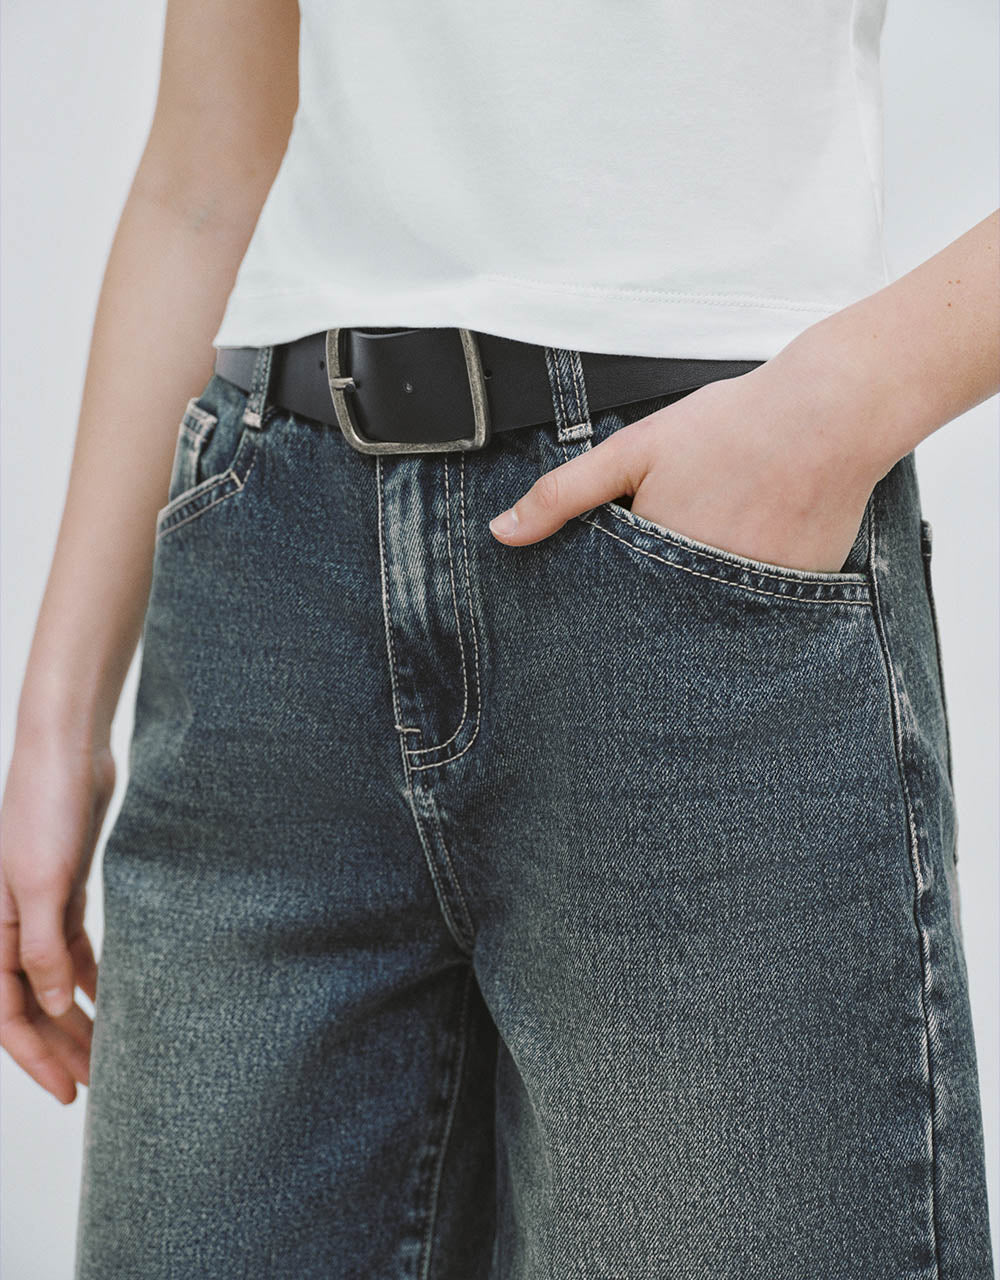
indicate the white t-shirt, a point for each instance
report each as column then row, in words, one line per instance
column 696, row 178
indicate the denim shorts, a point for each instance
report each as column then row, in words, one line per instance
column 584, row 910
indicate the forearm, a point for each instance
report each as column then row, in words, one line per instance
column 912, row 356
column 167, row 277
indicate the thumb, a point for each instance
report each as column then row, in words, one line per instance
column 610, row 469
column 45, row 956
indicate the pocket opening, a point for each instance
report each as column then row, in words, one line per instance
column 651, row 538
column 195, row 486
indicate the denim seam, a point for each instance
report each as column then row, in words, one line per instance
column 468, row 595
column 566, row 431
column 193, row 437
column 711, row 577
column 440, row 887
column 919, row 881
column 417, row 751
column 228, row 475
column 857, row 580
column 456, row 1087
column 195, row 432
column 387, row 612
column 255, row 407
column 475, row 641
column 583, row 409
column 464, row 935
column 926, row 555
column 203, row 417
column 196, row 425
column 554, row 378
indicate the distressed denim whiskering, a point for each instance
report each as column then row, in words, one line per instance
column 578, row 911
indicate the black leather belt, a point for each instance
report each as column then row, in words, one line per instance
column 432, row 389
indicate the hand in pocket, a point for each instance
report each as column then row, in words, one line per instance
column 754, row 465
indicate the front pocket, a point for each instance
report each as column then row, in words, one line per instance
column 688, row 555
column 212, row 460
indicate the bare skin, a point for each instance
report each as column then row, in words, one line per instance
column 775, row 464
column 227, row 94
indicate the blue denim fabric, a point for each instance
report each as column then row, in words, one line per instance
column 581, row 911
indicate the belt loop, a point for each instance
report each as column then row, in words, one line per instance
column 259, row 385
column 569, row 395
column 569, row 399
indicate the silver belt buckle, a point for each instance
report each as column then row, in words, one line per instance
column 341, row 384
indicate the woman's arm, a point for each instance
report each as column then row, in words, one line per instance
column 917, row 353
column 227, row 93
column 778, row 463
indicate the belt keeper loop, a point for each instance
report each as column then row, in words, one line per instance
column 569, row 397
column 260, row 383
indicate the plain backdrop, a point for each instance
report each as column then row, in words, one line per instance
column 78, row 87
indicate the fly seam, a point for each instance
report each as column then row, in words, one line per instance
column 418, row 751
column 386, row 607
column 475, row 733
column 468, row 596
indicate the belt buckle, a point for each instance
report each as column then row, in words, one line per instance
column 341, row 382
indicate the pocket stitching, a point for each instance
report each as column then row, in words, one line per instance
column 204, row 418
column 735, row 561
column 860, row 582
column 196, row 427
column 168, row 517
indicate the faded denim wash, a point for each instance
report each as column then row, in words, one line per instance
column 578, row 911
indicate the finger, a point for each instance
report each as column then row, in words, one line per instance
column 10, row 954
column 613, row 467
column 80, row 950
column 69, row 1037
column 22, row 1025
column 70, row 1052
column 84, row 964
column 77, row 1024
column 45, row 957
column 69, row 1040
column 25, row 1044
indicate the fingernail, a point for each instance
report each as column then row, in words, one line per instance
column 505, row 522
column 56, row 1001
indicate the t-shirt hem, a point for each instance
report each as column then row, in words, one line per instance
column 617, row 322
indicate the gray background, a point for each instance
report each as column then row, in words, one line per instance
column 78, row 86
